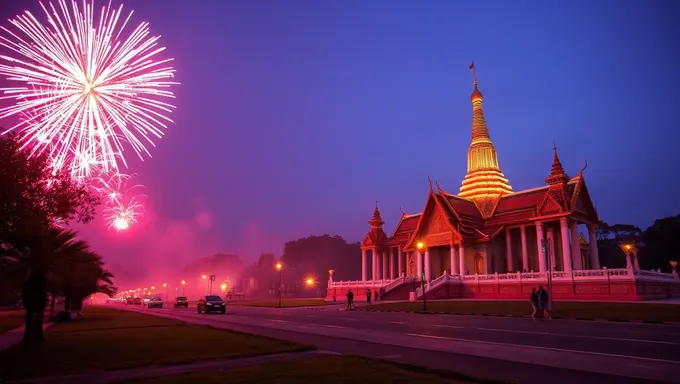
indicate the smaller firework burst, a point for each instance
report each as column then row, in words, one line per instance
column 122, row 214
column 122, row 199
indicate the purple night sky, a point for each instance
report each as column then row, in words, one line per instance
column 294, row 117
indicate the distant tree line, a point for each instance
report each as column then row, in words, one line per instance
column 658, row 244
column 39, row 259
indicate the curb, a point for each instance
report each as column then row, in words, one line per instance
column 528, row 317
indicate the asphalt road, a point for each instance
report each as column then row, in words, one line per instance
column 513, row 349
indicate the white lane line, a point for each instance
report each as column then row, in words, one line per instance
column 547, row 348
column 397, row 322
column 313, row 317
column 279, row 321
column 332, row 326
column 445, row 326
column 391, row 357
column 580, row 336
column 347, row 318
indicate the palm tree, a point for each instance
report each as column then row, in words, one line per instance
column 32, row 257
column 81, row 277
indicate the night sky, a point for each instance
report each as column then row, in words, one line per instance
column 295, row 117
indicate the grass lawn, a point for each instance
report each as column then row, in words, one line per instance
column 126, row 339
column 286, row 303
column 11, row 319
column 565, row 309
column 332, row 369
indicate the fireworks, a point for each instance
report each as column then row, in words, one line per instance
column 85, row 89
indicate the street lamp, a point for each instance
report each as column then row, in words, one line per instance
column 279, row 267
column 165, row 285
column 183, row 284
column 421, row 250
column 630, row 250
column 310, row 282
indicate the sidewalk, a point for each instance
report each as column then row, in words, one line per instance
column 11, row 338
column 103, row 377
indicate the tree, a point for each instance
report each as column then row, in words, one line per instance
column 82, row 276
column 661, row 243
column 33, row 198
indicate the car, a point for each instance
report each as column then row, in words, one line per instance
column 137, row 301
column 181, row 301
column 211, row 304
column 154, row 302
column 145, row 300
column 129, row 300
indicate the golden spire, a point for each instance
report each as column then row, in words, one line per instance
column 557, row 174
column 376, row 221
column 484, row 178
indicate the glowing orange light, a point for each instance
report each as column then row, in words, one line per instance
column 165, row 285
column 152, row 288
column 183, row 282
column 310, row 281
column 279, row 266
column 224, row 287
column 420, row 245
column 204, row 276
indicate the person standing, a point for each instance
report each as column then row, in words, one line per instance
column 543, row 301
column 350, row 300
column 534, row 303
column 368, row 296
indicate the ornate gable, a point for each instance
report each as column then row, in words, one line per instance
column 582, row 203
column 434, row 225
column 549, row 206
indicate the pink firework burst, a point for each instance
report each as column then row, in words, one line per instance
column 125, row 212
column 87, row 86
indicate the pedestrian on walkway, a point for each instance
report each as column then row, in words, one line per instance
column 368, row 296
column 534, row 303
column 543, row 301
column 350, row 300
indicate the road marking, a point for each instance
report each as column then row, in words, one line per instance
column 580, row 336
column 547, row 348
column 279, row 321
column 391, row 357
column 445, row 326
column 397, row 322
column 346, row 318
column 313, row 317
column 332, row 326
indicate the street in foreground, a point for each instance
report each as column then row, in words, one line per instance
column 501, row 348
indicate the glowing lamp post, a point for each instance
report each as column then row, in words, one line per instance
column 630, row 250
column 165, row 285
column 279, row 267
column 673, row 271
column 183, row 284
column 421, row 250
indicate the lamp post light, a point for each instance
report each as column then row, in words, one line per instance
column 630, row 250
column 165, row 285
column 421, row 250
column 183, row 284
column 279, row 267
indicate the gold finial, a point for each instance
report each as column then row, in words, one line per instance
column 474, row 72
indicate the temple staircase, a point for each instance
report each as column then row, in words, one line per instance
column 398, row 289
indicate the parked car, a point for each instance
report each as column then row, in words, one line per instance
column 154, row 302
column 211, row 304
column 129, row 300
column 181, row 301
column 137, row 301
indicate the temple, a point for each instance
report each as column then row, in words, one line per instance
column 491, row 241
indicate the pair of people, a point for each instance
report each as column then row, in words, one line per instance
column 540, row 302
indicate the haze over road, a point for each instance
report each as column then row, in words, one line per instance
column 505, row 348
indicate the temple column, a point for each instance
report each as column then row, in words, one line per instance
column 461, row 258
column 508, row 250
column 551, row 248
column 540, row 243
column 390, row 252
column 575, row 246
column 374, row 269
column 454, row 261
column 525, row 255
column 419, row 264
column 428, row 274
column 566, row 252
column 363, row 265
column 400, row 263
column 384, row 266
column 592, row 243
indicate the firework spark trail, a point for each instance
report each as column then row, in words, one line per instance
column 82, row 90
column 90, row 87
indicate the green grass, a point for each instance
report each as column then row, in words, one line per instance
column 125, row 340
column 331, row 369
column 11, row 319
column 286, row 303
column 565, row 309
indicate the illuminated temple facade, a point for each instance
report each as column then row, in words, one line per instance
column 489, row 240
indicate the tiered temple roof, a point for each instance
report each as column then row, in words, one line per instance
column 486, row 203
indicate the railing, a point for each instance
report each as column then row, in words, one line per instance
column 397, row 282
column 612, row 274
